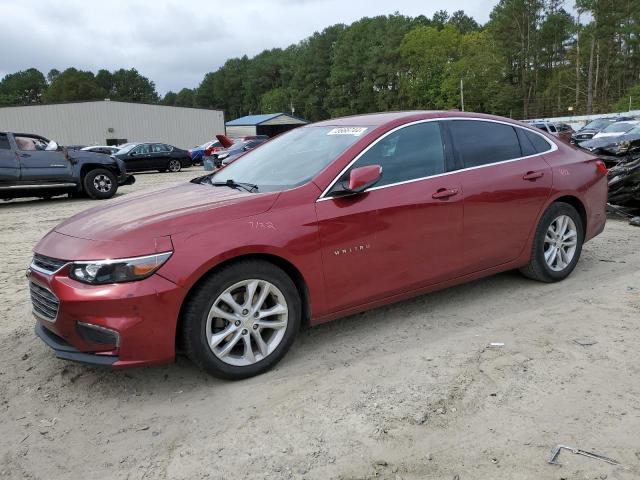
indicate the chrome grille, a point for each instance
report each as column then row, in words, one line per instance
column 46, row 264
column 43, row 301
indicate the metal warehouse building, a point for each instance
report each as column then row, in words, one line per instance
column 108, row 122
column 270, row 124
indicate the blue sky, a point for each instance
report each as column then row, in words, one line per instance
column 176, row 43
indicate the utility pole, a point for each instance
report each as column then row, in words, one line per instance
column 462, row 94
column 629, row 102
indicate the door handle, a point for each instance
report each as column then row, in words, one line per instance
column 532, row 175
column 25, row 155
column 444, row 193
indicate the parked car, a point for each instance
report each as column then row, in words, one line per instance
column 590, row 129
column 196, row 153
column 610, row 149
column 104, row 149
column 33, row 166
column 560, row 130
column 153, row 156
column 617, row 129
column 235, row 151
column 323, row 221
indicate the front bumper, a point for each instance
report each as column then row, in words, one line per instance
column 142, row 315
column 66, row 351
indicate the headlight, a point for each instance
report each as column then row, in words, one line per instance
column 98, row 272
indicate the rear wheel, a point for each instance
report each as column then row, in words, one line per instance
column 174, row 165
column 557, row 244
column 100, row 184
column 241, row 320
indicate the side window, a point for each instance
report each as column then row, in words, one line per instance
column 481, row 143
column 167, row 148
column 539, row 143
column 4, row 142
column 158, row 148
column 412, row 152
column 142, row 149
column 552, row 128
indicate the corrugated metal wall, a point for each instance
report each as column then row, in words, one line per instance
column 240, row 131
column 88, row 123
column 284, row 120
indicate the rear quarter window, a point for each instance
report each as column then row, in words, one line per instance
column 480, row 142
column 540, row 145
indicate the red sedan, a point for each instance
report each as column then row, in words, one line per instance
column 324, row 221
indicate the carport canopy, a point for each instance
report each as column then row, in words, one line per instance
column 270, row 124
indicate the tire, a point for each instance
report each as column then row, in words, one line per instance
column 276, row 331
column 174, row 165
column 100, row 184
column 544, row 266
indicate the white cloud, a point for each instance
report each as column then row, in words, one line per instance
column 176, row 43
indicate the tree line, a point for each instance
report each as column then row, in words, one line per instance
column 533, row 58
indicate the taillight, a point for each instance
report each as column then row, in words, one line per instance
column 601, row 167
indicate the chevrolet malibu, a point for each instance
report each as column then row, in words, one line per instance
column 324, row 221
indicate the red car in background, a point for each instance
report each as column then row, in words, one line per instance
column 324, row 221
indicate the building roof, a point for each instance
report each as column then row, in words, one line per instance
column 252, row 120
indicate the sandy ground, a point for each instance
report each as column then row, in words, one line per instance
column 408, row 391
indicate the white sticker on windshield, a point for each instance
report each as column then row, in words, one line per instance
column 355, row 131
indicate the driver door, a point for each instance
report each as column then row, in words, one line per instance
column 399, row 235
column 40, row 166
column 139, row 158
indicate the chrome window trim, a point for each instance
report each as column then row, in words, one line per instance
column 33, row 266
column 552, row 148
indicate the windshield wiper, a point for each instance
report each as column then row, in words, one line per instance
column 249, row 187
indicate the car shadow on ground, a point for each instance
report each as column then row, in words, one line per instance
column 311, row 349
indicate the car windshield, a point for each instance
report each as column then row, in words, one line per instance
column 634, row 131
column 598, row 124
column 619, row 127
column 291, row 159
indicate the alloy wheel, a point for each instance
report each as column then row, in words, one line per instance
column 102, row 183
column 247, row 322
column 560, row 243
column 174, row 166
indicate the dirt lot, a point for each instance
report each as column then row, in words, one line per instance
column 409, row 391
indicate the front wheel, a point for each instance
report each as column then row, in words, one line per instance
column 174, row 165
column 557, row 244
column 100, row 184
column 241, row 320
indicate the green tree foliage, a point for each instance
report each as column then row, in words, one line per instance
column 22, row 88
column 534, row 58
column 185, row 98
column 169, row 98
column 130, row 86
column 630, row 100
column 73, row 85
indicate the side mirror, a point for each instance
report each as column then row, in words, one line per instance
column 132, row 154
column 359, row 180
column 51, row 146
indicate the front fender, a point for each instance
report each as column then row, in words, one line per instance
column 290, row 234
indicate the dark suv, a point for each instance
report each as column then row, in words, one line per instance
column 33, row 166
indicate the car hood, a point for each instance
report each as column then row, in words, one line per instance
column 609, row 142
column 608, row 134
column 164, row 212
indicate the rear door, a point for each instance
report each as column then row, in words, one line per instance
column 159, row 156
column 40, row 166
column 9, row 166
column 505, row 186
column 396, row 236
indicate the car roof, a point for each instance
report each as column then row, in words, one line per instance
column 379, row 119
